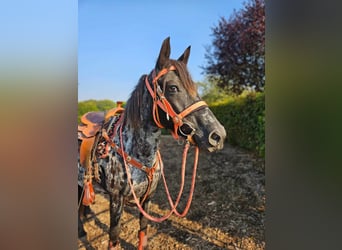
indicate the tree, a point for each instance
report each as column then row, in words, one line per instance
column 236, row 59
column 209, row 91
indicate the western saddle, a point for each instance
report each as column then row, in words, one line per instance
column 92, row 123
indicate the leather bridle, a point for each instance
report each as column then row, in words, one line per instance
column 159, row 100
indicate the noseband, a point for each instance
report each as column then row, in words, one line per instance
column 159, row 100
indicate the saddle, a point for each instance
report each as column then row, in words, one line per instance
column 92, row 123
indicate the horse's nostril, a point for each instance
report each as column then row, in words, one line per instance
column 215, row 137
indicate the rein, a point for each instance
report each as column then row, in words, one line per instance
column 173, row 205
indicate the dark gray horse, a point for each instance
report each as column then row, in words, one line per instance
column 168, row 98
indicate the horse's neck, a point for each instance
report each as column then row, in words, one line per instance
column 140, row 140
column 141, row 143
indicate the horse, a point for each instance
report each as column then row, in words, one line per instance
column 129, row 167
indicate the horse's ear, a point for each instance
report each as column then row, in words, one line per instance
column 185, row 56
column 164, row 53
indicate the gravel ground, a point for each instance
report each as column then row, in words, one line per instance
column 227, row 211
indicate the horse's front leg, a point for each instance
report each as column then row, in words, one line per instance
column 143, row 226
column 115, row 207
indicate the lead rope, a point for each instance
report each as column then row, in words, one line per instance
column 173, row 205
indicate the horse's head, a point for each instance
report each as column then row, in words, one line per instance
column 177, row 105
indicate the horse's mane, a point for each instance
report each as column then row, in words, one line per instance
column 137, row 103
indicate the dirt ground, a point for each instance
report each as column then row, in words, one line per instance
column 227, row 211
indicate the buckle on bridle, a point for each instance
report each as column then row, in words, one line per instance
column 177, row 120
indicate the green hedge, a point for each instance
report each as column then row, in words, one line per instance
column 244, row 120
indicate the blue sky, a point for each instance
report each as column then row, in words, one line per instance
column 118, row 41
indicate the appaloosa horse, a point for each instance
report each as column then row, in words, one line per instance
column 129, row 160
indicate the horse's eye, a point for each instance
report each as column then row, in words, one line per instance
column 173, row 88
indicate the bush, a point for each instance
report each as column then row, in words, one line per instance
column 243, row 117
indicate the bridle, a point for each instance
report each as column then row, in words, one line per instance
column 159, row 100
